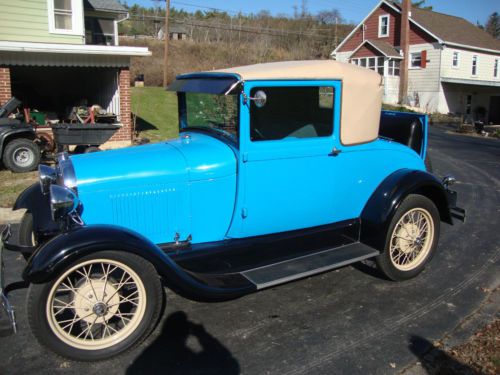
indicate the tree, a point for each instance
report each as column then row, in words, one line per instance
column 493, row 25
column 420, row 4
column 329, row 17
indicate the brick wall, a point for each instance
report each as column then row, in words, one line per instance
column 125, row 133
column 5, row 90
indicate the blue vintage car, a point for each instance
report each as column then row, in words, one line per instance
column 281, row 171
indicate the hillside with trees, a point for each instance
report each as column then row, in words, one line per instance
column 216, row 38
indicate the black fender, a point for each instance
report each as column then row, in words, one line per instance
column 30, row 132
column 61, row 251
column 383, row 203
column 34, row 201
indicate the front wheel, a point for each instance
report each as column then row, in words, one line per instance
column 411, row 239
column 99, row 307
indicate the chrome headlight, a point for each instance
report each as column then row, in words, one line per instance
column 63, row 201
column 48, row 176
column 65, row 171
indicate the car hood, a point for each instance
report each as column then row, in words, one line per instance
column 192, row 157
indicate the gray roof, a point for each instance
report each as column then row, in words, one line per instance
column 105, row 5
column 452, row 29
column 384, row 47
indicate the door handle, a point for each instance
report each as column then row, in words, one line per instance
column 335, row 152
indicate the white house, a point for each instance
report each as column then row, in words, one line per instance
column 453, row 67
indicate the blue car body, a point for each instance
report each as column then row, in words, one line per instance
column 210, row 189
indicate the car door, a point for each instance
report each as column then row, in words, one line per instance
column 286, row 176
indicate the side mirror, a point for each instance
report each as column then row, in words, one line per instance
column 260, row 98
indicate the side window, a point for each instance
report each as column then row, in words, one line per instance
column 292, row 112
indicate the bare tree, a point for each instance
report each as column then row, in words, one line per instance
column 329, row 17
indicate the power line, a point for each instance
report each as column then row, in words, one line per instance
column 247, row 29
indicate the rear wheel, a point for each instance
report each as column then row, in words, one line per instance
column 99, row 307
column 21, row 155
column 411, row 239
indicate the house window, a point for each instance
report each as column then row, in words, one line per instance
column 455, row 59
column 380, row 66
column 416, row 60
column 354, row 61
column 495, row 69
column 474, row 65
column 383, row 26
column 65, row 16
column 394, row 67
column 373, row 63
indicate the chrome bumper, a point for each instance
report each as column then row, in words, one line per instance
column 7, row 307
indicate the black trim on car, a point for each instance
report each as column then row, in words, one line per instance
column 34, row 201
column 385, row 200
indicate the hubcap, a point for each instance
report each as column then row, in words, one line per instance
column 412, row 239
column 23, row 156
column 96, row 304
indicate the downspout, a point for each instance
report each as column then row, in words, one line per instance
column 127, row 16
column 405, row 46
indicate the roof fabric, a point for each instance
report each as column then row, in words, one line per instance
column 361, row 91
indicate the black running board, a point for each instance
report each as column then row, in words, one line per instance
column 308, row 265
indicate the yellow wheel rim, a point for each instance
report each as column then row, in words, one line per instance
column 96, row 304
column 411, row 239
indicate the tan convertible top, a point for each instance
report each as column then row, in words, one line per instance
column 361, row 91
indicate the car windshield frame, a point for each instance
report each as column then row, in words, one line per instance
column 219, row 132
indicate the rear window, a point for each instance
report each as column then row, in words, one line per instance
column 292, row 112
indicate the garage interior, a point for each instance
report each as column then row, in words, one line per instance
column 56, row 90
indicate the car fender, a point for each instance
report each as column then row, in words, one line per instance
column 38, row 204
column 386, row 199
column 60, row 252
column 13, row 131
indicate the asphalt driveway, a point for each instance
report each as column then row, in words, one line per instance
column 346, row 321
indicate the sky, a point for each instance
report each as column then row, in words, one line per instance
column 351, row 10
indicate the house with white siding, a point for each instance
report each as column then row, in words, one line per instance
column 57, row 54
column 453, row 66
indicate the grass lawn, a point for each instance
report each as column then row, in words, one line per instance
column 156, row 111
column 12, row 184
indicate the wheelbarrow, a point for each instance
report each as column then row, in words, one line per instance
column 86, row 137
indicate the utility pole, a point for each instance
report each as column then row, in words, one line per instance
column 405, row 45
column 336, row 27
column 166, row 35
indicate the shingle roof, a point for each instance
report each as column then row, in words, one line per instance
column 384, row 47
column 452, row 29
column 106, row 5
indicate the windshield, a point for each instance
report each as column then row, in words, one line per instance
column 217, row 113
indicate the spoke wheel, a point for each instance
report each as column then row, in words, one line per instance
column 98, row 307
column 412, row 239
column 96, row 304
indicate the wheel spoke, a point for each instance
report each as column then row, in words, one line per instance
column 96, row 304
